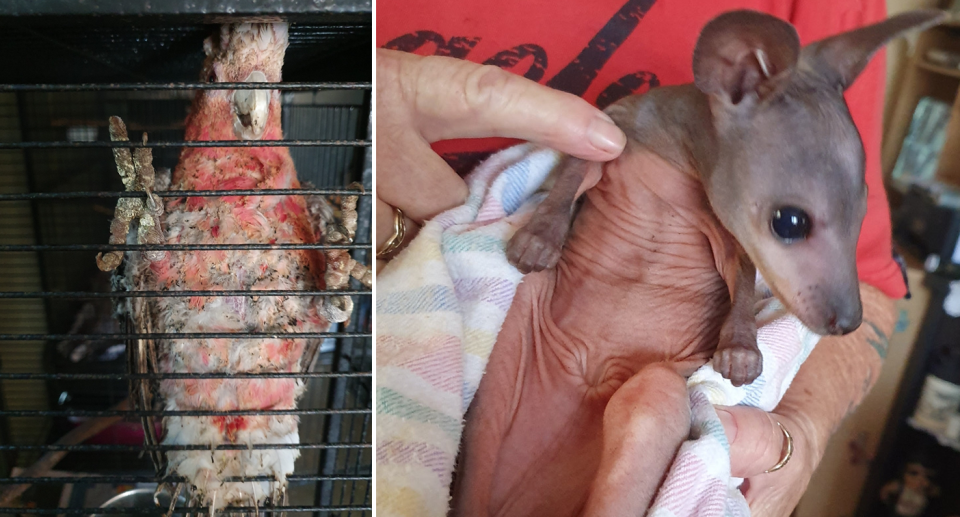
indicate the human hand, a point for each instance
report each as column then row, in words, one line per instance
column 757, row 444
column 832, row 382
column 421, row 100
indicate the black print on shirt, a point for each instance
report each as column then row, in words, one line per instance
column 509, row 58
column 457, row 46
column 574, row 78
column 626, row 85
column 581, row 72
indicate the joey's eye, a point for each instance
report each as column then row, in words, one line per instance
column 790, row 224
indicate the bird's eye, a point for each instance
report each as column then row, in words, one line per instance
column 790, row 224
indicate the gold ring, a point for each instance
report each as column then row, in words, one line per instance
column 395, row 240
column 788, row 445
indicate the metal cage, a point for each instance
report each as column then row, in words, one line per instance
column 65, row 67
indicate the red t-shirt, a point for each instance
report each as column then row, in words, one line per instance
column 603, row 50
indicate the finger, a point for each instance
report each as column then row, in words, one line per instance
column 452, row 98
column 644, row 424
column 385, row 223
column 756, row 441
column 386, row 227
column 411, row 177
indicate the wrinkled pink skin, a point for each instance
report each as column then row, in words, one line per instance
column 580, row 413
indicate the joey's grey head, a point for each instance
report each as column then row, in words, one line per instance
column 788, row 177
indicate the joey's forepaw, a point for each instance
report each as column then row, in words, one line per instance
column 535, row 247
column 740, row 364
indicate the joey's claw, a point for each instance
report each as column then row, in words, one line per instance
column 534, row 249
column 740, row 364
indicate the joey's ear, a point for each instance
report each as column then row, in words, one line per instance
column 739, row 51
column 841, row 58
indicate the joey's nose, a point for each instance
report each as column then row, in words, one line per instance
column 844, row 322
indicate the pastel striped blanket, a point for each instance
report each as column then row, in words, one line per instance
column 440, row 305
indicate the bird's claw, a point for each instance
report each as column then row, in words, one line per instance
column 138, row 175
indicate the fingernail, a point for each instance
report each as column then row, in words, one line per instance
column 605, row 135
column 729, row 424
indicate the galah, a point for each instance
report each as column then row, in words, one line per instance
column 248, row 52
